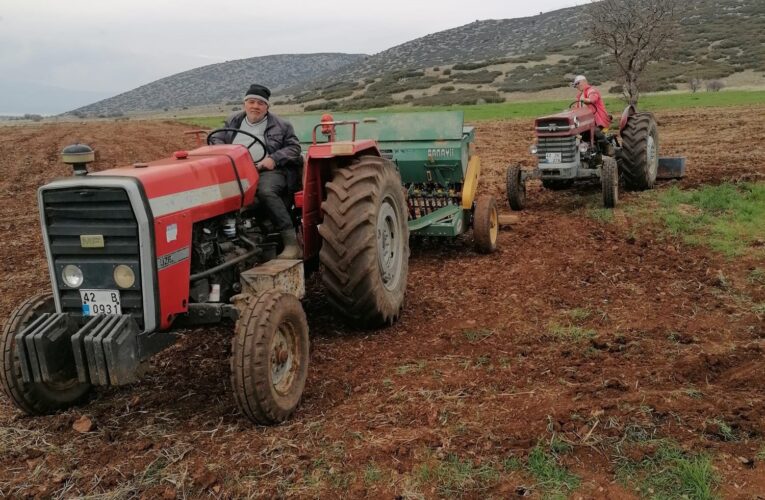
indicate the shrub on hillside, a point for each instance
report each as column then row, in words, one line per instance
column 459, row 98
column 321, row 106
column 446, row 88
column 365, row 103
column 482, row 76
column 336, row 94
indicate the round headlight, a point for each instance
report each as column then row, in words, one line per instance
column 583, row 147
column 72, row 275
column 533, row 149
column 124, row 276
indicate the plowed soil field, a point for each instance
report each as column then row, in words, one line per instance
column 584, row 337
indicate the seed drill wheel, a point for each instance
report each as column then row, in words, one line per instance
column 485, row 224
column 269, row 359
column 609, row 182
column 34, row 398
column 516, row 188
column 639, row 155
column 365, row 253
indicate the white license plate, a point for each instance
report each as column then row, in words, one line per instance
column 100, row 302
column 553, row 157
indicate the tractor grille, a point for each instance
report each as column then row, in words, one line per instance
column 70, row 213
column 564, row 145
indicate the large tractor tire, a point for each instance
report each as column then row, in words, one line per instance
column 639, row 156
column 485, row 224
column 365, row 253
column 269, row 358
column 609, row 182
column 516, row 188
column 34, row 398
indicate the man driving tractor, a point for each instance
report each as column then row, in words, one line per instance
column 279, row 168
column 590, row 96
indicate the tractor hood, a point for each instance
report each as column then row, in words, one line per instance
column 567, row 123
column 193, row 178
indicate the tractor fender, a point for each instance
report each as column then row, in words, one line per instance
column 471, row 182
column 628, row 111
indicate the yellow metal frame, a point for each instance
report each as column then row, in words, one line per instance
column 471, row 182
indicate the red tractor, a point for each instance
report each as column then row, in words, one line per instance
column 135, row 252
column 570, row 148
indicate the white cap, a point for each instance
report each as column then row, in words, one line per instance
column 578, row 79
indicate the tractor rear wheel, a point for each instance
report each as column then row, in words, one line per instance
column 269, row 358
column 485, row 224
column 639, row 155
column 365, row 253
column 34, row 398
column 516, row 188
column 609, row 182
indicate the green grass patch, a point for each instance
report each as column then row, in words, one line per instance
column 729, row 218
column 410, row 368
column 456, row 477
column 670, row 473
column 602, row 215
column 757, row 276
column 579, row 314
column 372, row 474
column 570, row 333
column 208, row 122
column 533, row 109
column 477, row 335
column 694, row 393
column 554, row 480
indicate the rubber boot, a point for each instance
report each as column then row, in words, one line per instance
column 291, row 248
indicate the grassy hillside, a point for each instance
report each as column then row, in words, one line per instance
column 483, row 62
column 532, row 109
column 490, row 61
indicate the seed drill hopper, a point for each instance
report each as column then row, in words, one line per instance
column 432, row 151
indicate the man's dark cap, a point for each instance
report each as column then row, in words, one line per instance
column 259, row 92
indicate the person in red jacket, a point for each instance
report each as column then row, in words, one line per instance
column 590, row 96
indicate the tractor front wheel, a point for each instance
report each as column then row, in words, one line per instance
column 269, row 358
column 365, row 252
column 639, row 156
column 609, row 182
column 485, row 224
column 34, row 398
column 516, row 188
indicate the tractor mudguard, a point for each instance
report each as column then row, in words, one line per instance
column 628, row 111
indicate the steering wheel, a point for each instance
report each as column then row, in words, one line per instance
column 570, row 106
column 255, row 139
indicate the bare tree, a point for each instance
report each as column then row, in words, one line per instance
column 635, row 32
column 694, row 84
column 715, row 85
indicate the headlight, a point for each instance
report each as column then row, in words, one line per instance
column 72, row 275
column 124, row 276
column 533, row 149
column 583, row 147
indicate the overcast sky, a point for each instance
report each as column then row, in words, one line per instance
column 116, row 45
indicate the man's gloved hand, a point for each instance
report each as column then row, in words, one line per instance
column 266, row 163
